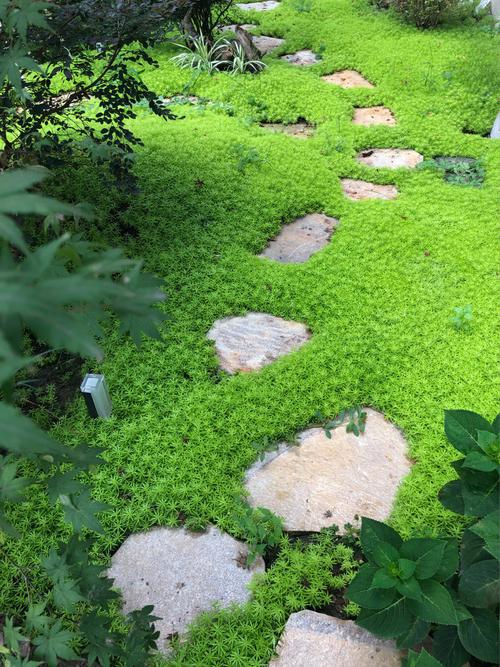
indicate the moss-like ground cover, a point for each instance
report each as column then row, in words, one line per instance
column 378, row 299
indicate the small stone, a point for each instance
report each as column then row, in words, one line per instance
column 301, row 58
column 181, row 573
column 495, row 130
column 300, row 239
column 347, row 78
column 317, row 640
column 373, row 116
column 356, row 190
column 233, row 26
column 265, row 6
column 266, row 44
column 323, row 481
column 390, row 158
column 248, row 343
column 298, row 130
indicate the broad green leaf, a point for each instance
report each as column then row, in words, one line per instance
column 374, row 532
column 479, row 584
column 426, row 552
column 96, row 631
column 406, row 568
column 54, row 644
column 80, row 511
column 479, row 635
column 461, row 428
column 56, row 566
column 390, row 622
column 451, row 497
column 66, row 594
column 362, row 590
column 479, row 461
column 482, row 500
column 36, row 620
column 489, row 443
column 495, row 426
column 410, row 588
column 385, row 554
column 416, row 633
column 63, row 483
column 447, row 647
column 21, row 436
column 422, row 659
column 12, row 487
column 384, row 579
column 436, row 605
column 11, row 233
column 6, row 526
column 488, row 528
column 449, row 561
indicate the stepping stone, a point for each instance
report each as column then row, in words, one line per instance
column 356, row 190
column 301, row 58
column 390, row 158
column 348, row 78
column 233, row 26
column 266, row 44
column 265, row 6
column 495, row 130
column 373, row 116
column 182, row 574
column 317, row 640
column 248, row 343
column 300, row 239
column 323, row 481
column 298, row 130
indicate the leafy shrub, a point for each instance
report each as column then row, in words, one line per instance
column 262, row 529
column 411, row 588
column 223, row 54
column 457, row 170
column 424, row 13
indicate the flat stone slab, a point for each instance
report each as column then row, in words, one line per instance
column 323, row 481
column 182, row 574
column 265, row 6
column 373, row 116
column 390, row 158
column 266, row 44
column 251, row 342
column 348, row 78
column 495, row 130
column 300, row 239
column 357, row 190
column 233, row 26
column 317, row 640
column 298, row 130
column 301, row 58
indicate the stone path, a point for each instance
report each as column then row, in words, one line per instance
column 181, row 574
column 322, row 481
column 265, row 6
column 317, row 640
column 389, row 158
column 266, row 44
column 301, row 58
column 373, row 116
column 298, row 130
column 347, row 78
column 356, row 190
column 233, row 26
column 300, row 239
column 255, row 340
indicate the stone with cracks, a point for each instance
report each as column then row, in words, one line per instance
column 248, row 343
column 322, row 481
column 301, row 58
column 357, row 190
column 300, row 239
column 347, row 78
column 265, row 6
column 182, row 574
column 317, row 640
column 298, row 130
column 266, row 44
column 373, row 116
column 390, row 158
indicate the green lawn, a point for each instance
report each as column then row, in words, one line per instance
column 378, row 299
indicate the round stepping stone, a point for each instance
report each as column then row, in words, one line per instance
column 301, row 58
column 300, row 239
column 323, row 481
column 317, row 640
column 248, row 343
column 356, row 190
column 390, row 158
column 347, row 78
column 298, row 130
column 181, row 573
column 373, row 116
column 266, row 44
column 265, row 6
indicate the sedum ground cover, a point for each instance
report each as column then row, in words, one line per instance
column 215, row 187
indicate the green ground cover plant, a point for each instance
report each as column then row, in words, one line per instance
column 377, row 299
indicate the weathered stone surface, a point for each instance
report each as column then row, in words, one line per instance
column 298, row 130
column 373, row 116
column 181, row 573
column 317, row 640
column 347, row 78
column 495, row 130
column 266, row 44
column 248, row 343
column 300, row 239
column 265, row 6
column 233, row 26
column 301, row 58
column 323, row 481
column 356, row 190
column 389, row 158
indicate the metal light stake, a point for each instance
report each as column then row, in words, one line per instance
column 96, row 394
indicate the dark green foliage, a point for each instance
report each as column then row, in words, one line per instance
column 199, row 17
column 408, row 589
column 261, row 528
column 356, row 421
column 457, row 170
column 424, row 13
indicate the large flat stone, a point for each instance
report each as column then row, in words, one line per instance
column 317, row 640
column 233, row 26
column 347, row 78
column 322, row 481
column 266, row 44
column 300, row 239
column 357, row 190
column 248, row 343
column 298, row 130
column 495, row 130
column 373, row 116
column 301, row 58
column 265, row 6
column 390, row 158
column 182, row 574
